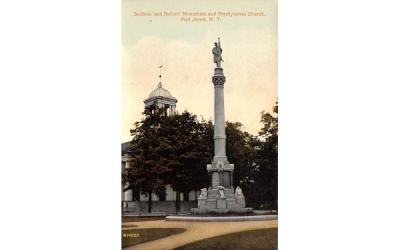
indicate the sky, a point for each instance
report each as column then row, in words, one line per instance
column 184, row 49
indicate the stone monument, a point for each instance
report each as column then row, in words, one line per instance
column 220, row 197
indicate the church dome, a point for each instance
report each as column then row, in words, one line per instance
column 160, row 91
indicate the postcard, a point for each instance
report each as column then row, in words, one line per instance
column 199, row 135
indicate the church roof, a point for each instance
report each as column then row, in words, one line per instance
column 160, row 91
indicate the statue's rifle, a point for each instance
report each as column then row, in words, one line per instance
column 219, row 45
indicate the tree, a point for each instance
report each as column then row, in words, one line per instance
column 169, row 150
column 266, row 177
column 239, row 151
column 147, row 165
column 186, row 137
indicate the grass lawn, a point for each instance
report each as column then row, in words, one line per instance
column 141, row 218
column 266, row 239
column 136, row 236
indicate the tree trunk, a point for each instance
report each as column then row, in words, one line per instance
column 186, row 196
column 150, row 201
column 140, row 197
column 177, row 202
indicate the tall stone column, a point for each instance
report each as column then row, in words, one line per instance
column 219, row 115
column 220, row 162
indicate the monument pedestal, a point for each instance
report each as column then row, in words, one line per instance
column 221, row 197
column 215, row 203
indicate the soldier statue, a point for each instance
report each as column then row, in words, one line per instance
column 217, row 51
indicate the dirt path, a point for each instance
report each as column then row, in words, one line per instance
column 194, row 231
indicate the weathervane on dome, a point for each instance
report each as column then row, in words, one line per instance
column 160, row 84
